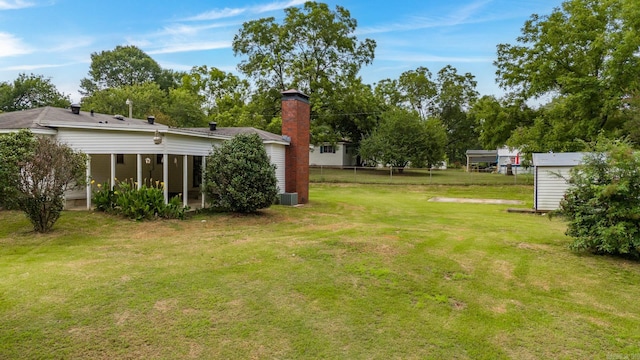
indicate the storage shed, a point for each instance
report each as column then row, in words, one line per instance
column 551, row 175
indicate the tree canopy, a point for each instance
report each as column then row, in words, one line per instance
column 311, row 50
column 585, row 55
column 123, row 66
column 403, row 138
column 30, row 91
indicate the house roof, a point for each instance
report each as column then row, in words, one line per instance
column 229, row 132
column 558, row 159
column 47, row 119
column 52, row 117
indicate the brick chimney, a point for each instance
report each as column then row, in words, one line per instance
column 296, row 116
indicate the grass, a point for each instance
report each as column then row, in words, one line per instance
column 414, row 177
column 362, row 272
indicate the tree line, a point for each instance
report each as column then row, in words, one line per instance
column 580, row 64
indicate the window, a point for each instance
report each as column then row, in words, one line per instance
column 327, row 149
column 159, row 159
column 119, row 158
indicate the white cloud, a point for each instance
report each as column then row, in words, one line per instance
column 422, row 58
column 12, row 46
column 187, row 47
column 467, row 14
column 70, row 44
column 15, row 4
column 232, row 12
column 259, row 9
column 34, row 67
column 217, row 14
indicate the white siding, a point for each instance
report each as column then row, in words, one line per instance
column 276, row 153
column 339, row 158
column 550, row 186
column 189, row 145
column 110, row 142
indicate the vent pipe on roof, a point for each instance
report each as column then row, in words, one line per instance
column 75, row 108
column 212, row 126
column 151, row 119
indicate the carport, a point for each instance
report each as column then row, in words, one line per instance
column 481, row 156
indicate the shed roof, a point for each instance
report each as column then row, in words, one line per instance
column 482, row 153
column 558, row 159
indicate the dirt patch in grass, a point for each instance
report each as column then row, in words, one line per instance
column 476, row 201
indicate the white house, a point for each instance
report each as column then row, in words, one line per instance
column 124, row 148
column 551, row 175
column 508, row 156
column 143, row 150
column 338, row 155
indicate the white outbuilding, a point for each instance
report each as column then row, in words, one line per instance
column 551, row 178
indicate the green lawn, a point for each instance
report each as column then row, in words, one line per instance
column 362, row 272
column 414, row 177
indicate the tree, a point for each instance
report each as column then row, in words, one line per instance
column 14, row 148
column 456, row 94
column 239, row 176
column 30, row 91
column 585, row 54
column 313, row 49
column 147, row 99
column 497, row 120
column 42, row 176
column 351, row 114
column 220, row 91
column 403, row 138
column 602, row 205
column 122, row 66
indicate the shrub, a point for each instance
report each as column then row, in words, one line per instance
column 603, row 203
column 139, row 204
column 239, row 176
column 44, row 176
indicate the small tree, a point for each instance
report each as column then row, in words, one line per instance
column 403, row 138
column 44, row 176
column 239, row 176
column 603, row 204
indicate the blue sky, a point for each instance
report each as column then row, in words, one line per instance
column 56, row 38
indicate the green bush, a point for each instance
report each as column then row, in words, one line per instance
column 145, row 203
column 239, row 176
column 603, row 203
column 35, row 173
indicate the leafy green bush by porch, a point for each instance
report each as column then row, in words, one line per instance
column 603, row 204
column 145, row 203
column 239, row 176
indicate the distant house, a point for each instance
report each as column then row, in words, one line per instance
column 508, row 156
column 141, row 150
column 341, row 154
column 551, row 175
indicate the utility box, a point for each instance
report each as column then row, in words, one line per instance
column 289, row 199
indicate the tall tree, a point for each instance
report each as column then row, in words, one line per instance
column 220, row 91
column 30, row 91
column 585, row 52
column 314, row 50
column 122, row 66
column 456, row 93
column 496, row 120
column 147, row 99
